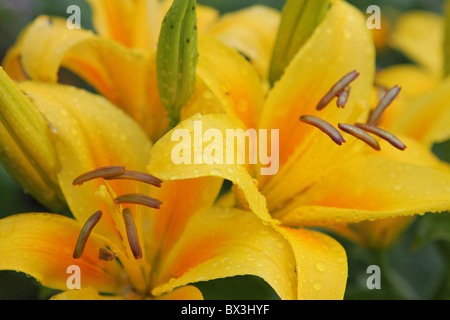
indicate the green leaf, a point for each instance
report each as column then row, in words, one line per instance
column 177, row 57
column 299, row 19
column 432, row 227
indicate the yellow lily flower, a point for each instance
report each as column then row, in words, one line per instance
column 319, row 183
column 124, row 49
column 131, row 251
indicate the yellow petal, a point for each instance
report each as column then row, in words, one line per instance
column 181, row 199
column 225, row 242
column 42, row 245
column 422, row 45
column 251, row 31
column 82, row 294
column 427, row 119
column 415, row 153
column 321, row 264
column 414, row 82
column 370, row 187
column 378, row 234
column 117, row 20
column 137, row 23
column 230, row 79
column 165, row 161
column 89, row 132
column 126, row 77
column 12, row 61
column 183, row 293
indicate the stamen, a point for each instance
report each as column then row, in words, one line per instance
column 387, row 99
column 389, row 137
column 84, row 234
column 343, row 97
column 360, row 134
column 133, row 239
column 327, row 128
column 336, row 89
column 105, row 172
column 137, row 198
column 106, row 254
column 138, row 176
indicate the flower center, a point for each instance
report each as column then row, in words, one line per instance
column 341, row 91
column 114, row 173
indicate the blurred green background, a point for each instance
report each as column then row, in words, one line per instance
column 416, row 267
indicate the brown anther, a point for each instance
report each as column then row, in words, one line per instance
column 326, row 127
column 360, row 134
column 343, row 97
column 339, row 87
column 137, row 198
column 84, row 234
column 138, row 176
column 133, row 239
column 384, row 102
column 104, row 172
column 106, row 254
column 389, row 137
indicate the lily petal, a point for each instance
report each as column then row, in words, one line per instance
column 231, row 79
column 224, row 242
column 422, row 45
column 41, row 245
column 82, row 294
column 137, row 23
column 322, row 264
column 183, row 293
column 121, row 20
column 413, row 80
column 162, row 162
column 181, row 199
column 428, row 118
column 370, row 187
column 378, row 234
column 252, row 32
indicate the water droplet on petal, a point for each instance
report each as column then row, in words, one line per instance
column 320, row 266
column 318, row 285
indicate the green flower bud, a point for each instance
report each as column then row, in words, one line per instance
column 26, row 150
column 177, row 57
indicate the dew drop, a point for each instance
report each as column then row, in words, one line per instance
column 320, row 266
column 280, row 245
column 318, row 286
